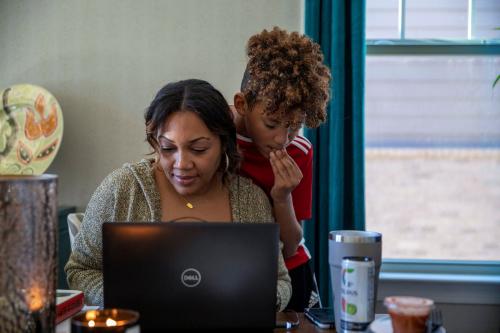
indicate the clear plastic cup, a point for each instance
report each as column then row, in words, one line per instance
column 408, row 313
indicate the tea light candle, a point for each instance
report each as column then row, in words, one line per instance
column 106, row 321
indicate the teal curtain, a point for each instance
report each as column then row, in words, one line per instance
column 338, row 185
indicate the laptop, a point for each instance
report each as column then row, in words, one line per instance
column 193, row 276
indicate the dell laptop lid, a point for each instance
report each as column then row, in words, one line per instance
column 192, row 276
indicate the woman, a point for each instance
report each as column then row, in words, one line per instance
column 190, row 128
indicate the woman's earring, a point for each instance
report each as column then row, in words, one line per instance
column 227, row 163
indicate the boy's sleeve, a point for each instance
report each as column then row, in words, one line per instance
column 302, row 195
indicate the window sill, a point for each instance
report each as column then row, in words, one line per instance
column 432, row 47
column 434, row 42
column 459, row 282
column 448, row 278
column 427, row 266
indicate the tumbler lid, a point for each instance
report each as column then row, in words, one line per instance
column 355, row 236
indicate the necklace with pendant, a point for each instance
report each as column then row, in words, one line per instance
column 187, row 203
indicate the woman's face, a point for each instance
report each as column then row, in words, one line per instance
column 189, row 152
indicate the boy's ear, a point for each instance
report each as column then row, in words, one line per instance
column 240, row 103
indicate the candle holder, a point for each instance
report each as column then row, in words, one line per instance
column 28, row 253
column 106, row 321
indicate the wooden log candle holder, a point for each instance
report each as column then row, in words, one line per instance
column 28, row 253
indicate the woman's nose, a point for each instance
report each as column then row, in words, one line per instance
column 183, row 160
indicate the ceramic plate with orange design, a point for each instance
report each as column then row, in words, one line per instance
column 31, row 129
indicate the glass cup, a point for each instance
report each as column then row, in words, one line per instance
column 408, row 314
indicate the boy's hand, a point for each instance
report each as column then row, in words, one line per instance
column 287, row 175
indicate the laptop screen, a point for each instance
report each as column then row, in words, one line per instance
column 192, row 276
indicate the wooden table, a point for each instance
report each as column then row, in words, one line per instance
column 305, row 326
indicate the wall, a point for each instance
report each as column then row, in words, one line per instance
column 105, row 60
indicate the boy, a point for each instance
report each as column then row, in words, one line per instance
column 285, row 86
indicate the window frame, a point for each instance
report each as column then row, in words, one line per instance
column 404, row 46
column 471, row 19
column 465, row 271
column 386, row 47
column 479, row 273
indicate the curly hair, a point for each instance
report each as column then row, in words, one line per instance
column 286, row 72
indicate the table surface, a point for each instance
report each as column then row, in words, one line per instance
column 305, row 325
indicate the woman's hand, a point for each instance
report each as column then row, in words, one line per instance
column 287, row 175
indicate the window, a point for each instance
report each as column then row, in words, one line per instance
column 433, row 128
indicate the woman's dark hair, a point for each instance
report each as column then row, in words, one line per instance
column 202, row 98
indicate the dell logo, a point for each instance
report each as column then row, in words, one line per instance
column 191, row 277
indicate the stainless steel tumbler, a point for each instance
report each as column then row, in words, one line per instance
column 351, row 243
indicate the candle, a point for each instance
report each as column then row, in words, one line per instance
column 35, row 301
column 28, row 225
column 106, row 321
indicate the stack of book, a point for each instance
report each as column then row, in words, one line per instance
column 68, row 303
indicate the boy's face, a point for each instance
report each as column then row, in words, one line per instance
column 267, row 132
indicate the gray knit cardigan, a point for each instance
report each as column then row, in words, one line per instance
column 130, row 194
